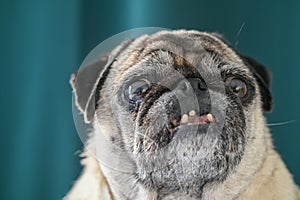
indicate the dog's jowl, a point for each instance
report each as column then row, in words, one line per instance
column 178, row 115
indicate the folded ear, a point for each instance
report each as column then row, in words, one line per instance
column 83, row 83
column 88, row 80
column 263, row 78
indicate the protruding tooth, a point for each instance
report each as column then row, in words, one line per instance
column 184, row 118
column 174, row 122
column 192, row 113
column 209, row 117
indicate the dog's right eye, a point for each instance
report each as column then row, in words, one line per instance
column 237, row 86
column 135, row 92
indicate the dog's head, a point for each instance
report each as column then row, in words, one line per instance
column 183, row 105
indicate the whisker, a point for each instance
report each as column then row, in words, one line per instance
column 145, row 136
column 281, row 123
column 177, row 179
column 238, row 34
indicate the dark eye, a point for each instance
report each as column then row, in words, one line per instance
column 135, row 92
column 237, row 86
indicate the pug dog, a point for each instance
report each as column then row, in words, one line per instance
column 178, row 115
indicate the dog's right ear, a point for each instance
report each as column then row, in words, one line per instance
column 83, row 82
column 88, row 80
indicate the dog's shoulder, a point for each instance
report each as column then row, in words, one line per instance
column 272, row 181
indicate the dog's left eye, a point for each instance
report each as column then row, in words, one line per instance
column 237, row 86
column 135, row 92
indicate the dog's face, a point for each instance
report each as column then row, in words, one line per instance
column 183, row 105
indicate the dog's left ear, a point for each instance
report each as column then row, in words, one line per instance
column 263, row 78
column 88, row 80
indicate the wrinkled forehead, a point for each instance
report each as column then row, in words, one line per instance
column 189, row 48
column 191, row 44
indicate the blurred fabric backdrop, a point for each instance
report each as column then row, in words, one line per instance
column 43, row 42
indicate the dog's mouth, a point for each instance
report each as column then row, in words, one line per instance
column 190, row 119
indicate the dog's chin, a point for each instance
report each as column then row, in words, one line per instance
column 188, row 149
column 168, row 162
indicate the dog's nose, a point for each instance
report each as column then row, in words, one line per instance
column 192, row 94
column 192, row 86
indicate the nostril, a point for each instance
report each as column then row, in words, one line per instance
column 202, row 86
column 198, row 84
column 183, row 85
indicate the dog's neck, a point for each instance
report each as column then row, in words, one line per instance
column 251, row 177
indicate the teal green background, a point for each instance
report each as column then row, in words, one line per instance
column 43, row 42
